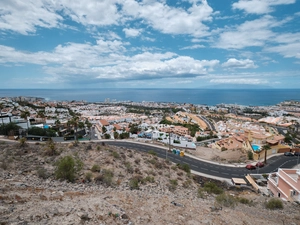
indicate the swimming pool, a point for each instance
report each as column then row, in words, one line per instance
column 255, row 148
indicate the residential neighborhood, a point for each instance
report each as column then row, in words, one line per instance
column 256, row 132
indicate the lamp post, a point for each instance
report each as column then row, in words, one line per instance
column 169, row 144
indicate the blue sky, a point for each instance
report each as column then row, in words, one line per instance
column 149, row 43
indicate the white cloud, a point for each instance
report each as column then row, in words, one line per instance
column 25, row 16
column 193, row 47
column 260, row 6
column 288, row 45
column 106, row 60
column 250, row 33
column 130, row 32
column 254, row 81
column 171, row 20
column 241, row 64
column 92, row 12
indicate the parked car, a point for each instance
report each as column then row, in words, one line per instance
column 288, row 154
column 260, row 164
column 297, row 154
column 250, row 167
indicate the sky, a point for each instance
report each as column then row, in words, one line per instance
column 149, row 44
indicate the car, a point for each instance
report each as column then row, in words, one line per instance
column 250, row 167
column 297, row 154
column 288, row 154
column 260, row 164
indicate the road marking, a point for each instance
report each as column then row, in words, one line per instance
column 194, row 165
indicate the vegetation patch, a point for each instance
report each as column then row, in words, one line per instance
column 274, row 203
column 67, row 168
column 226, row 200
column 212, row 188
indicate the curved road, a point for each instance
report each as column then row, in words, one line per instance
column 210, row 168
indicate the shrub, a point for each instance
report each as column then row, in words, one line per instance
column 115, row 155
column 88, row 176
column 134, row 183
column 129, row 168
column 274, row 203
column 42, row 173
column 185, row 167
column 67, row 167
column 250, row 155
column 245, row 201
column 106, row 177
column 200, row 193
column 173, row 185
column 212, row 188
column 151, row 152
column 148, row 179
column 187, row 183
column 226, row 200
column 95, row 168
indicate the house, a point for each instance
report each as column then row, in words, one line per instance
column 285, row 184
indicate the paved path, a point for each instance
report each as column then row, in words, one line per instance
column 209, row 168
column 205, row 167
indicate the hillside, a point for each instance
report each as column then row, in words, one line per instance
column 120, row 186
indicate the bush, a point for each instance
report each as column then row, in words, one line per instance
column 173, row 185
column 200, row 193
column 185, row 167
column 212, row 188
column 115, row 155
column 106, row 177
column 250, row 155
column 148, row 179
column 42, row 173
column 151, row 152
column 187, row 183
column 134, row 183
column 245, row 201
column 88, row 176
column 226, row 200
column 95, row 168
column 67, row 167
column 274, row 203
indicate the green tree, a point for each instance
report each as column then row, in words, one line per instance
column 116, row 135
column 104, row 129
column 5, row 129
column 67, row 168
column 107, row 136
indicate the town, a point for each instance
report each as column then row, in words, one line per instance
column 252, row 132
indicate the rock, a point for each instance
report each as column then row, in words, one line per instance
column 43, row 197
column 124, row 216
column 3, row 210
column 84, row 216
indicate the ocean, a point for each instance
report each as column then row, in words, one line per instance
column 250, row 97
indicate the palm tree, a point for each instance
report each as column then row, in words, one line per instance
column 25, row 116
column 266, row 148
column 1, row 107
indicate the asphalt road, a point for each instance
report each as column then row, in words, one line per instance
column 212, row 169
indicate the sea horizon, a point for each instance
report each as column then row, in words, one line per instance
column 203, row 96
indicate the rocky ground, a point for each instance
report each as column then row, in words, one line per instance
column 164, row 193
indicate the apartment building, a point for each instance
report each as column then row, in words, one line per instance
column 285, row 184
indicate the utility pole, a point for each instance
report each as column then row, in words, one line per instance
column 169, row 144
